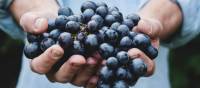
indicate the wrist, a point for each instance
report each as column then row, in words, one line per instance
column 19, row 7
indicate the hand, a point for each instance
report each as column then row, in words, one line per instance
column 152, row 28
column 34, row 19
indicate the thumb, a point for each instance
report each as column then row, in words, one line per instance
column 32, row 22
column 151, row 27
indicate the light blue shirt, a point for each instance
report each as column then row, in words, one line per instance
column 160, row 79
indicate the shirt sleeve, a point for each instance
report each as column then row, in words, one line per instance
column 190, row 26
column 7, row 22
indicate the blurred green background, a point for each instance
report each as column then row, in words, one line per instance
column 184, row 63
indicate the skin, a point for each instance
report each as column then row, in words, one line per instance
column 33, row 18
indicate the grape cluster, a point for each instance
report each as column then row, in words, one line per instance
column 98, row 28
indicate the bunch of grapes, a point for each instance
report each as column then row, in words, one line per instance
column 98, row 28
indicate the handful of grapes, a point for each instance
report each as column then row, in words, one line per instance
column 98, row 28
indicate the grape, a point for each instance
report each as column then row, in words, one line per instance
column 54, row 34
column 121, row 73
column 97, row 29
column 106, row 74
column 115, row 25
column 118, row 16
column 101, row 4
column 123, row 30
column 98, row 19
column 87, row 14
column 93, row 26
column 102, row 11
column 32, row 50
column 110, row 9
column 65, row 11
column 106, row 50
column 73, row 27
column 138, row 67
column 78, row 48
column 88, row 5
column 60, row 21
column 109, row 20
column 126, row 43
column 122, row 57
column 111, row 36
column 142, row 41
column 91, row 43
column 46, row 43
column 128, row 23
column 65, row 40
column 134, row 17
column 112, row 63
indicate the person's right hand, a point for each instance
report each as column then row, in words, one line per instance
column 77, row 70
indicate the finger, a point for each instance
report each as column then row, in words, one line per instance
column 70, row 68
column 33, row 23
column 88, row 71
column 136, row 53
column 43, row 63
column 150, row 27
column 92, row 82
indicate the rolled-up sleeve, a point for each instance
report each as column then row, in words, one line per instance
column 7, row 22
column 191, row 23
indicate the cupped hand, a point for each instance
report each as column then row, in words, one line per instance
column 152, row 28
column 76, row 70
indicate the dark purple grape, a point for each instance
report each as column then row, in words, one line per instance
column 98, row 19
column 91, row 43
column 93, row 26
column 60, row 21
column 106, row 50
column 87, row 14
column 138, row 67
column 54, row 34
column 152, row 52
column 101, row 84
column 121, row 73
column 81, row 36
column 122, row 57
column 106, row 74
column 132, row 34
column 32, row 50
column 73, row 27
column 72, row 18
column 115, row 25
column 33, row 37
column 78, row 48
column 109, row 20
column 101, row 4
column 111, row 36
column 142, row 41
column 51, row 24
column 123, row 30
column 65, row 40
column 118, row 16
column 134, row 17
column 46, row 43
column 110, row 9
column 45, row 35
column 102, row 11
column 112, row 63
column 65, row 11
column 120, row 84
column 126, row 43
column 88, row 5
column 129, row 23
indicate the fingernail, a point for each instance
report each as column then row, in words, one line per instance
column 56, row 54
column 39, row 22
